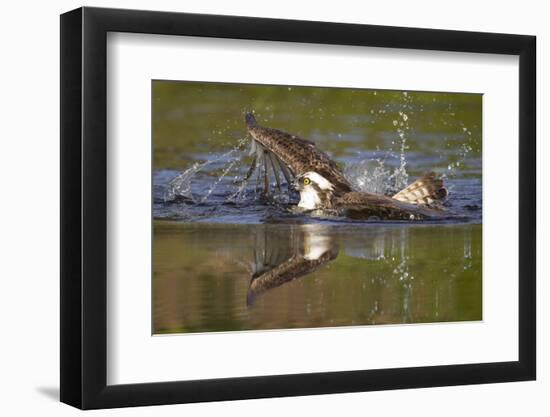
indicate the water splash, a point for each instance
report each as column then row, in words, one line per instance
column 226, row 170
column 240, row 194
column 369, row 175
column 377, row 176
column 400, row 177
column 180, row 186
column 228, row 164
column 454, row 167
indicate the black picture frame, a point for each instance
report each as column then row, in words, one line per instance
column 84, row 207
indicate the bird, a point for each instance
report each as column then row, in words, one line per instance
column 323, row 188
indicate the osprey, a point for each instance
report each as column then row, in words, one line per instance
column 324, row 189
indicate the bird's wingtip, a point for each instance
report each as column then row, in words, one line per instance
column 250, row 119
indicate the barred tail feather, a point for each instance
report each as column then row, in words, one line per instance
column 426, row 190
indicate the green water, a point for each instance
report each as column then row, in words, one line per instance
column 376, row 275
column 220, row 266
column 195, row 118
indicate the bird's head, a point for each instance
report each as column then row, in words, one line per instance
column 315, row 191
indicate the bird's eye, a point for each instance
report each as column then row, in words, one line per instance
column 307, row 181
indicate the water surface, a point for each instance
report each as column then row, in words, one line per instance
column 215, row 277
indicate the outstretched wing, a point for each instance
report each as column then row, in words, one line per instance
column 296, row 154
column 361, row 205
column 425, row 190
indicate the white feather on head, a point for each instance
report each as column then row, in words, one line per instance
column 318, row 179
column 309, row 196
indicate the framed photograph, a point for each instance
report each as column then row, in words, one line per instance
column 258, row 208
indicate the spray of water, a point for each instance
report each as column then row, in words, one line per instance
column 226, row 170
column 400, row 177
column 180, row 186
column 453, row 167
column 241, row 190
column 375, row 176
column 369, row 176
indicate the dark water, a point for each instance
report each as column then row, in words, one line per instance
column 225, row 258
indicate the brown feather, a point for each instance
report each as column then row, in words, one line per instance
column 425, row 190
column 298, row 154
column 361, row 205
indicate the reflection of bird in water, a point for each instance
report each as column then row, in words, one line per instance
column 282, row 258
column 324, row 189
